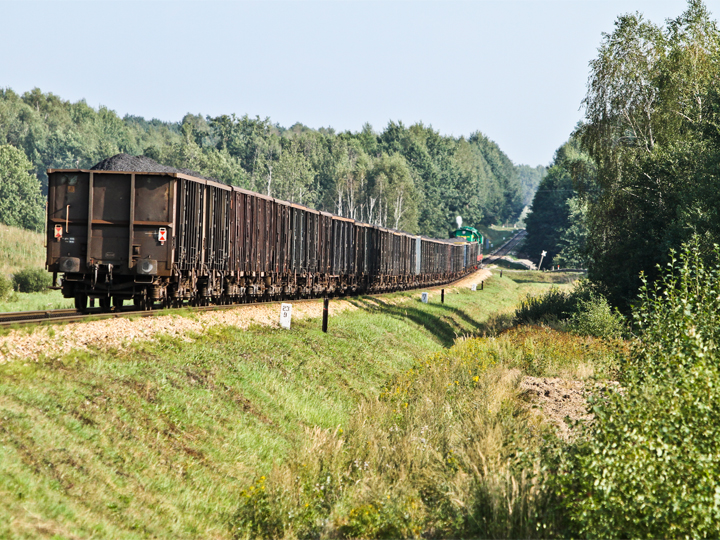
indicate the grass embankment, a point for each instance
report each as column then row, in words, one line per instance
column 168, row 438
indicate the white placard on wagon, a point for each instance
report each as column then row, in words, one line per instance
column 285, row 315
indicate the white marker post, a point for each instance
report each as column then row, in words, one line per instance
column 425, row 298
column 474, row 287
column 285, row 315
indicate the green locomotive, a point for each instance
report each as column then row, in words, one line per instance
column 470, row 234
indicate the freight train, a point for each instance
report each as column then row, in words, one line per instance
column 168, row 239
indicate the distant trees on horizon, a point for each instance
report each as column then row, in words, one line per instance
column 410, row 178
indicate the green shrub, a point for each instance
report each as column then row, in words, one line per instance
column 595, row 318
column 5, row 287
column 554, row 305
column 31, row 280
column 649, row 466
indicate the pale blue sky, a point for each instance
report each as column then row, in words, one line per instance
column 515, row 70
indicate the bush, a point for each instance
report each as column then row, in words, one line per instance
column 554, row 305
column 32, row 280
column 649, row 465
column 5, row 287
column 595, row 318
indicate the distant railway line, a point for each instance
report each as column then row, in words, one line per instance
column 506, row 248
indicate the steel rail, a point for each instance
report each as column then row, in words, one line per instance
column 25, row 318
column 505, row 248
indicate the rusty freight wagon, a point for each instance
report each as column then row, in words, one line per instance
column 170, row 238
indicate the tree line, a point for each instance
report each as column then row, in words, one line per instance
column 405, row 177
column 640, row 174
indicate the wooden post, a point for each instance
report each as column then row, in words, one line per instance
column 442, row 296
column 482, row 285
column 326, row 302
column 501, row 272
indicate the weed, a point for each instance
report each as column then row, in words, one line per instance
column 5, row 287
column 447, row 449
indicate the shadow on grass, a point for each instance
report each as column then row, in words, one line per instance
column 529, row 276
column 441, row 325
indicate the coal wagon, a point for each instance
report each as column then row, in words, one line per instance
column 170, row 239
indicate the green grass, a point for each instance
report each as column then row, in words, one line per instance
column 449, row 449
column 35, row 301
column 510, row 265
column 159, row 439
column 20, row 249
column 537, row 277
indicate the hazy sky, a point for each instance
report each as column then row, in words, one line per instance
column 514, row 70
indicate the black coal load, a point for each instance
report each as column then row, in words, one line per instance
column 128, row 163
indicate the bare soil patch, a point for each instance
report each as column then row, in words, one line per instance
column 563, row 402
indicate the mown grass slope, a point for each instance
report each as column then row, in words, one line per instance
column 161, row 438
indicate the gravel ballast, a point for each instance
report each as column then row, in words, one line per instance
column 115, row 333
column 108, row 334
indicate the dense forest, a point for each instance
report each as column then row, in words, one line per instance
column 409, row 178
column 557, row 223
column 639, row 177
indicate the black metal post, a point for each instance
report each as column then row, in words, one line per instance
column 442, row 296
column 482, row 285
column 326, row 302
column 501, row 272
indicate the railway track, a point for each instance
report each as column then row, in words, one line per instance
column 55, row 316
column 506, row 248
column 25, row 317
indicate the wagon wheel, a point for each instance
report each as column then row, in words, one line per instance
column 81, row 301
column 141, row 303
column 104, row 303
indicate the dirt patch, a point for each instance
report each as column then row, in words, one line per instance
column 562, row 402
column 465, row 283
column 558, row 400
